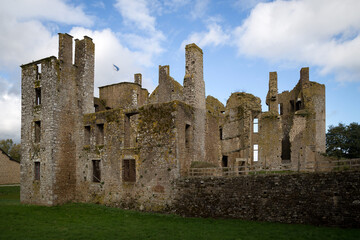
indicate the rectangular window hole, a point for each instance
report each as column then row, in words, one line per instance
column 87, row 132
column 256, row 125
column 37, row 171
column 37, row 96
column 129, row 170
column 37, row 131
column 255, row 152
column 96, row 171
column 187, row 135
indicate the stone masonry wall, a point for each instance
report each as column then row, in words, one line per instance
column 194, row 95
column 9, row 170
column 313, row 198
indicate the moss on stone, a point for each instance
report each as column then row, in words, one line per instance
column 37, row 84
column 214, row 106
column 244, row 101
column 269, row 115
column 303, row 112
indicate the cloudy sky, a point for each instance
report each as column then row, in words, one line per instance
column 242, row 40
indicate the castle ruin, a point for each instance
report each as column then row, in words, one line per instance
column 126, row 148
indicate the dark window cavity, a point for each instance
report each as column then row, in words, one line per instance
column 37, row 96
column 224, row 162
column 87, row 132
column 37, row 171
column 129, row 170
column 37, row 131
column 187, row 135
column 96, row 171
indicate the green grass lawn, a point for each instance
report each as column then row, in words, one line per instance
column 90, row 221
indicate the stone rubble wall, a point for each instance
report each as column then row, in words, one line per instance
column 331, row 199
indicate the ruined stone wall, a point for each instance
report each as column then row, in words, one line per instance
column 314, row 101
column 38, row 191
column 303, row 121
column 50, row 123
column 214, row 120
column 66, row 112
column 168, row 89
column 85, row 63
column 212, row 140
column 272, row 96
column 152, row 136
column 123, row 95
column 194, row 95
column 270, row 128
column 331, row 199
column 238, row 135
column 270, row 136
column 9, row 169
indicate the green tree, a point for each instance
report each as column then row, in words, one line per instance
column 6, row 145
column 15, row 152
column 12, row 149
column 343, row 141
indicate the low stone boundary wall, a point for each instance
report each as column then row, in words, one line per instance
column 331, row 198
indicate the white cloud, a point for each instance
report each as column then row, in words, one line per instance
column 325, row 33
column 145, row 40
column 24, row 38
column 110, row 50
column 22, row 42
column 54, row 10
column 214, row 36
column 199, row 9
column 136, row 12
column 10, row 117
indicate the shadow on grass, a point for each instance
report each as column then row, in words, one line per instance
column 90, row 221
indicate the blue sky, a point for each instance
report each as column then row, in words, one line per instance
column 242, row 41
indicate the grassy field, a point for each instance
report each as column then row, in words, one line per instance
column 89, row 221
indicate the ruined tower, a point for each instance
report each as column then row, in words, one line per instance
column 194, row 95
column 272, row 96
column 55, row 94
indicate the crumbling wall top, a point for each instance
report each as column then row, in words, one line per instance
column 193, row 46
column 245, row 100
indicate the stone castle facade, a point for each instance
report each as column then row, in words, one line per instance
column 127, row 148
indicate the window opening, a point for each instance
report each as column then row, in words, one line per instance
column 187, row 135
column 100, row 134
column 224, row 162
column 285, row 148
column 221, row 133
column 256, row 125
column 38, row 74
column 96, row 171
column 127, row 131
column 298, row 104
column 87, row 131
column 256, row 153
column 129, row 170
column 280, row 108
column 37, row 171
column 37, row 131
column 38, row 96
